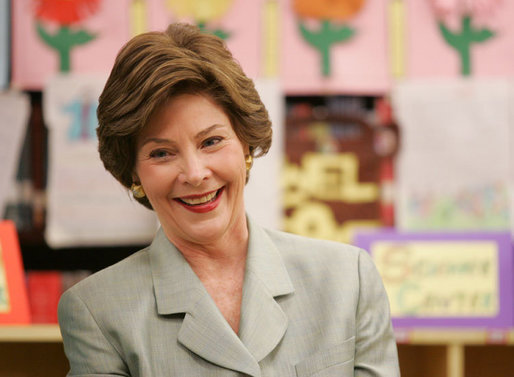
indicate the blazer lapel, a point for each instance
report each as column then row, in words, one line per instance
column 204, row 331
column 263, row 322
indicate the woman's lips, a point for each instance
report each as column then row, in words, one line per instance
column 201, row 203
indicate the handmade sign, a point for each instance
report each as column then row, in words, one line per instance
column 331, row 177
column 79, row 187
column 450, row 279
column 14, row 306
column 334, row 46
column 464, row 37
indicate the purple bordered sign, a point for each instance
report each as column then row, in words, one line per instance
column 445, row 279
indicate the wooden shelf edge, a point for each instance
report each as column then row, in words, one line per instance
column 445, row 336
column 30, row 333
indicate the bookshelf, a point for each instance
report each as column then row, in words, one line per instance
column 422, row 352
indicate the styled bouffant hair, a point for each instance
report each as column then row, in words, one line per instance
column 156, row 66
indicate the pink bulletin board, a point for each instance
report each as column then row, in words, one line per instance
column 240, row 21
column 359, row 64
column 429, row 55
column 34, row 61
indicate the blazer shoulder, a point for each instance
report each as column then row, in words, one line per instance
column 129, row 273
column 289, row 243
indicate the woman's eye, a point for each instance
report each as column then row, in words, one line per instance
column 159, row 153
column 211, row 141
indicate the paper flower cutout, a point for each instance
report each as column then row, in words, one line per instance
column 65, row 13
column 202, row 12
column 458, row 20
column 331, row 15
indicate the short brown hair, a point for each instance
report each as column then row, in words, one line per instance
column 156, row 66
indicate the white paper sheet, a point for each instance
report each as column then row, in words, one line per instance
column 14, row 114
column 86, row 205
column 454, row 166
column 263, row 198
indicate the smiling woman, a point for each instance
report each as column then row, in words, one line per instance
column 214, row 294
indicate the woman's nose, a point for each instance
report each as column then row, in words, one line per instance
column 194, row 170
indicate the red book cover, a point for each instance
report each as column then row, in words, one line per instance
column 44, row 288
column 14, row 307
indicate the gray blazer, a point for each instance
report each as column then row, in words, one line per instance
column 309, row 308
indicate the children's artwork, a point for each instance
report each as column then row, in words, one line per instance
column 331, row 177
column 52, row 36
column 465, row 37
column 14, row 305
column 15, row 110
column 453, row 171
column 5, row 40
column 86, row 205
column 450, row 279
column 334, row 46
column 238, row 22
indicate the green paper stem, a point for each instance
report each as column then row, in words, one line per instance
column 324, row 38
column 462, row 41
column 217, row 32
column 63, row 41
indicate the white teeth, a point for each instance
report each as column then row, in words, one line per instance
column 200, row 200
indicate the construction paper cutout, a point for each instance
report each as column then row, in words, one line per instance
column 359, row 65
column 426, row 44
column 239, row 20
column 468, row 32
column 203, row 12
column 34, row 62
column 67, row 14
column 330, row 15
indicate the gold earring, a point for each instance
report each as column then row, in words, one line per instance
column 137, row 191
column 249, row 162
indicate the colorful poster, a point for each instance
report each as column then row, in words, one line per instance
column 459, row 38
column 453, row 169
column 238, row 22
column 450, row 279
column 52, row 36
column 334, row 47
column 5, row 37
column 331, row 176
column 85, row 204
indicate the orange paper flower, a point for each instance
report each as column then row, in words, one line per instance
column 339, row 10
column 65, row 12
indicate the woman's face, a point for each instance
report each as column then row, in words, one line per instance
column 192, row 167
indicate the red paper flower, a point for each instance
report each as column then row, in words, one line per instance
column 65, row 12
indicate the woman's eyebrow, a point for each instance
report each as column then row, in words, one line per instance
column 208, row 130
column 157, row 140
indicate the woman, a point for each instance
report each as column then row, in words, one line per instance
column 214, row 294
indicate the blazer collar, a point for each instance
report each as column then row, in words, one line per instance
column 204, row 330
